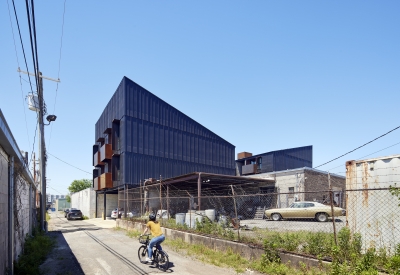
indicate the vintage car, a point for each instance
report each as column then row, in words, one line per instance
column 305, row 210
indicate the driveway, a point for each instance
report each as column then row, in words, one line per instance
column 99, row 249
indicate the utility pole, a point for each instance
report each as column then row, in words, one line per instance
column 42, row 146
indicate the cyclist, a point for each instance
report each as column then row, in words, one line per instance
column 158, row 236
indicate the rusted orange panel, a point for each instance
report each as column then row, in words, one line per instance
column 106, row 181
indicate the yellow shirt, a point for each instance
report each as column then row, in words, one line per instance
column 155, row 228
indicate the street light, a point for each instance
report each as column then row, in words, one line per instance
column 50, row 118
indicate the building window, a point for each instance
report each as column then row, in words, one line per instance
column 259, row 164
column 291, row 192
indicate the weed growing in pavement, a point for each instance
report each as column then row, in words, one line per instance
column 85, row 217
column 133, row 233
column 35, row 251
column 117, row 228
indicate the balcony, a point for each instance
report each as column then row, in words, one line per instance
column 106, row 152
column 96, row 160
column 96, row 184
column 106, row 181
column 249, row 169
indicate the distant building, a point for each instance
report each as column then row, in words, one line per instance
column 62, row 204
column 280, row 160
column 306, row 184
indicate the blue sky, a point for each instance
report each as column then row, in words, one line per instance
column 264, row 75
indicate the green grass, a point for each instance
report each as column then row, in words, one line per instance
column 229, row 259
column 346, row 256
column 47, row 217
column 35, row 251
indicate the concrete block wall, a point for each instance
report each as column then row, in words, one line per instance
column 111, row 203
column 85, row 200
column 319, row 182
column 3, row 211
column 23, row 210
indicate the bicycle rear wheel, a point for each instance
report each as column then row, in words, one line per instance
column 142, row 254
column 162, row 260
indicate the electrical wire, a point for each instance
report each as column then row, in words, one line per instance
column 55, row 190
column 358, row 147
column 68, row 163
column 32, row 44
column 366, row 156
column 27, row 69
column 16, row 55
column 59, row 68
column 22, row 44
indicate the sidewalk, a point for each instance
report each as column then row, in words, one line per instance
column 108, row 223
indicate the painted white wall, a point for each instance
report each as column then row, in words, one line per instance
column 284, row 181
column 85, row 201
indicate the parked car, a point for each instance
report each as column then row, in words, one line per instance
column 305, row 210
column 74, row 214
column 66, row 211
column 117, row 213
column 120, row 214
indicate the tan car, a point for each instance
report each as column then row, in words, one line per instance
column 305, row 210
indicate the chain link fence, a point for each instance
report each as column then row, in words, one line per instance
column 248, row 212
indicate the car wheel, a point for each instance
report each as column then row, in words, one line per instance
column 322, row 217
column 276, row 217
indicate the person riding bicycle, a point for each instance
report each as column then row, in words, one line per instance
column 158, row 236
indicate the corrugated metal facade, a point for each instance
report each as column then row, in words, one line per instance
column 153, row 139
column 279, row 160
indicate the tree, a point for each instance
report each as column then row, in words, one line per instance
column 68, row 198
column 78, row 185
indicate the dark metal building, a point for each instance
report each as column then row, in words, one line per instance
column 139, row 136
column 280, row 160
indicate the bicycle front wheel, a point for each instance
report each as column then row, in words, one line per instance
column 162, row 260
column 142, row 254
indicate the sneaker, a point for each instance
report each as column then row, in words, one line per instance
column 148, row 259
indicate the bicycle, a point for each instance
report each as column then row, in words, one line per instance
column 160, row 258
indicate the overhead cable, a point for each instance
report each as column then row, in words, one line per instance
column 368, row 155
column 59, row 68
column 68, row 163
column 16, row 55
column 358, row 147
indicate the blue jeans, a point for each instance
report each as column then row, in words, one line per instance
column 155, row 242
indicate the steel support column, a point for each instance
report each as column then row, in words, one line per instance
column 104, row 205
column 199, row 191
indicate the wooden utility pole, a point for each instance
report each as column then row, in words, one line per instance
column 42, row 146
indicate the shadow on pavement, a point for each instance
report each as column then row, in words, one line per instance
column 60, row 260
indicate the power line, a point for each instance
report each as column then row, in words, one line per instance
column 358, row 147
column 16, row 55
column 55, row 190
column 32, row 44
column 59, row 67
column 22, row 44
column 26, row 65
column 367, row 155
column 69, row 164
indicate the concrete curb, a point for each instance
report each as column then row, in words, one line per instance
column 246, row 251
